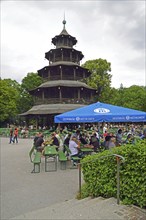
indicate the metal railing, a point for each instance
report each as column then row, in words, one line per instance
column 118, row 157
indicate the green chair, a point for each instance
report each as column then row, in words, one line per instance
column 35, row 158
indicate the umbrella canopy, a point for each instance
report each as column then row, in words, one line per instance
column 101, row 112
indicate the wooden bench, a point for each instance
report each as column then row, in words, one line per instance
column 62, row 159
column 35, row 158
column 74, row 159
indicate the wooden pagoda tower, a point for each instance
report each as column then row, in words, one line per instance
column 62, row 89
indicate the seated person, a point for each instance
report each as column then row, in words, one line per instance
column 67, row 139
column 74, row 146
column 144, row 134
column 55, row 141
column 84, row 142
column 94, row 141
column 23, row 132
column 82, row 139
column 39, row 143
column 106, row 142
column 111, row 142
column 105, row 134
column 130, row 139
column 66, row 142
column 76, row 134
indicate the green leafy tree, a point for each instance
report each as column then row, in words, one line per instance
column 31, row 81
column 9, row 97
column 15, row 98
column 116, row 96
column 133, row 97
column 100, row 78
column 109, row 96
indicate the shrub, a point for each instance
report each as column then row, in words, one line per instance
column 100, row 174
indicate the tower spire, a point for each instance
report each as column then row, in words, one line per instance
column 64, row 22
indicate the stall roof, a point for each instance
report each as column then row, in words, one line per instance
column 51, row 109
column 101, row 112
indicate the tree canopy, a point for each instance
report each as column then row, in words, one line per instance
column 132, row 97
column 100, row 78
column 9, row 98
column 31, row 81
column 15, row 97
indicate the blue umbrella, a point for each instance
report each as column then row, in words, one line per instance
column 101, row 112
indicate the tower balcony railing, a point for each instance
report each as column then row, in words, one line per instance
column 63, row 101
column 65, row 59
column 58, row 77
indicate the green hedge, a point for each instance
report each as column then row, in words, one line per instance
column 4, row 132
column 100, row 174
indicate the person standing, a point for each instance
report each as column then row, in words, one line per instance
column 119, row 137
column 16, row 135
column 11, row 136
column 37, row 135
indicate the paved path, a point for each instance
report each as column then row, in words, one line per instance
column 86, row 209
column 22, row 191
column 49, row 195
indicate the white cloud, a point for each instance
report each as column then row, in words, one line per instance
column 112, row 30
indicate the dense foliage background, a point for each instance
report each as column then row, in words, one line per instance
column 15, row 98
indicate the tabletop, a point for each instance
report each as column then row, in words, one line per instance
column 50, row 150
column 86, row 149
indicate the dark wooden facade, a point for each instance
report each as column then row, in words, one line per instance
column 62, row 78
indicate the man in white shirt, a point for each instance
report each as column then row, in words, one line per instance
column 74, row 146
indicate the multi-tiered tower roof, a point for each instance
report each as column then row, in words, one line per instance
column 62, row 89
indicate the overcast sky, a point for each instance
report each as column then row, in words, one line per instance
column 111, row 30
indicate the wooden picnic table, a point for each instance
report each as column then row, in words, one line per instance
column 86, row 150
column 50, row 154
